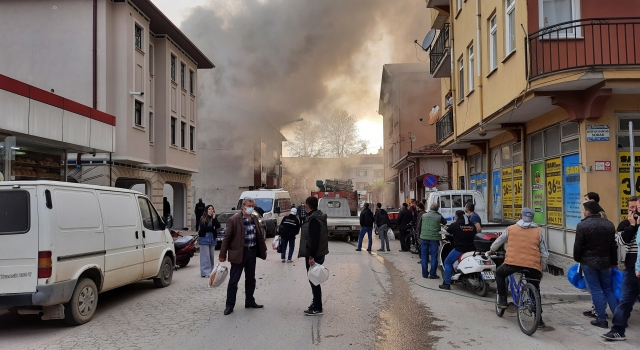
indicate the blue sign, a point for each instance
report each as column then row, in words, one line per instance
column 430, row 181
column 597, row 132
column 497, row 194
column 571, row 199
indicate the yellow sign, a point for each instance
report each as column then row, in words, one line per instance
column 624, row 185
column 517, row 190
column 553, row 176
column 507, row 194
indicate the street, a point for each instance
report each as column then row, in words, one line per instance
column 370, row 301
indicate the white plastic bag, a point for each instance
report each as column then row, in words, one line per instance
column 276, row 242
column 318, row 274
column 218, row 275
column 390, row 235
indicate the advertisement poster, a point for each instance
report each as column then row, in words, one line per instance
column 497, row 195
column 624, row 186
column 517, row 191
column 553, row 175
column 571, row 187
column 507, row 193
column 538, row 193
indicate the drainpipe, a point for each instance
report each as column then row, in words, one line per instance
column 95, row 54
column 479, row 75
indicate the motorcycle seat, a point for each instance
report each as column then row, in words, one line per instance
column 182, row 242
column 465, row 255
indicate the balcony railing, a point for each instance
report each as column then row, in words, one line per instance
column 439, row 49
column 444, row 126
column 592, row 42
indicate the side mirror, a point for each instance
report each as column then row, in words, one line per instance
column 277, row 210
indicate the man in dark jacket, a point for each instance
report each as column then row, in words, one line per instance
column 381, row 219
column 463, row 233
column 596, row 250
column 199, row 211
column 404, row 219
column 244, row 241
column 314, row 246
column 289, row 228
column 366, row 224
column 302, row 213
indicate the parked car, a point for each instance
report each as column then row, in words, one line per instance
column 61, row 244
column 224, row 216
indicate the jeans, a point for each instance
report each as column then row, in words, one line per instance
column 429, row 249
column 368, row 231
column 628, row 295
column 316, row 290
column 448, row 265
column 382, row 232
column 283, row 247
column 249, row 267
column 601, row 289
column 207, row 261
column 505, row 270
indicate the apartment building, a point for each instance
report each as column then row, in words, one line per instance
column 541, row 94
column 124, row 59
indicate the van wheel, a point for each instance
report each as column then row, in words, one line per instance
column 166, row 273
column 80, row 309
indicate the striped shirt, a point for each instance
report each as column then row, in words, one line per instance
column 250, row 238
column 630, row 245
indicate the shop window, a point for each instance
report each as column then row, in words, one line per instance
column 138, row 37
column 506, row 155
column 536, row 146
column 551, row 141
column 173, row 130
column 138, row 113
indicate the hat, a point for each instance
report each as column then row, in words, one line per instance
column 527, row 215
column 294, row 211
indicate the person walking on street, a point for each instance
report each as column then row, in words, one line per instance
column 166, row 212
column 382, row 223
column 207, row 234
column 314, row 246
column 430, row 240
column 404, row 219
column 474, row 218
column 200, row 207
column 302, row 213
column 630, row 291
column 464, row 233
column 244, row 241
column 366, row 224
column 596, row 250
column 288, row 230
column 593, row 197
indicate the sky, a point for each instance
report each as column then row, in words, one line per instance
column 286, row 59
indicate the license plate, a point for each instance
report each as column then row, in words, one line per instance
column 488, row 275
column 343, row 228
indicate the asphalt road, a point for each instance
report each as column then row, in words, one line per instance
column 370, row 301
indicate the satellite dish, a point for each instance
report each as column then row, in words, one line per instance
column 428, row 39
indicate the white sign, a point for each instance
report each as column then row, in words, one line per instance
column 597, row 132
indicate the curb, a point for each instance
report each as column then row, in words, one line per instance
column 556, row 296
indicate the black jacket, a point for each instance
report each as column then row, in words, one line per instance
column 204, row 228
column 289, row 227
column 314, row 239
column 405, row 217
column 464, row 232
column 366, row 218
column 628, row 236
column 381, row 217
column 595, row 243
column 199, row 209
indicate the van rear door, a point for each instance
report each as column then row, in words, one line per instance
column 18, row 240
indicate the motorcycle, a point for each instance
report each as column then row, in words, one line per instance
column 473, row 269
column 185, row 247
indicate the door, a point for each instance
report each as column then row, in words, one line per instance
column 153, row 236
column 124, row 255
column 18, row 240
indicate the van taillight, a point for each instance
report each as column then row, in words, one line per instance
column 44, row 264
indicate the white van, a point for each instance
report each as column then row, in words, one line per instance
column 276, row 204
column 61, row 244
column 451, row 201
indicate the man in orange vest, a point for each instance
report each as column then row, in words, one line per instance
column 526, row 249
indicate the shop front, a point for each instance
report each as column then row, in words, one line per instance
column 30, row 161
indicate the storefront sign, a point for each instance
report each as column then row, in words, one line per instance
column 538, row 193
column 603, row 165
column 571, row 189
column 624, row 186
column 597, row 132
column 497, row 195
column 553, row 175
column 507, row 193
column 517, row 191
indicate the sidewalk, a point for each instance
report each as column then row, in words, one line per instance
column 559, row 288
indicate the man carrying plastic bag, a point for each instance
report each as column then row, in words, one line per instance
column 218, row 275
column 314, row 245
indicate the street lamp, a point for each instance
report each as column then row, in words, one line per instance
column 289, row 122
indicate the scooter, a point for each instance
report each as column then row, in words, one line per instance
column 473, row 269
column 185, row 247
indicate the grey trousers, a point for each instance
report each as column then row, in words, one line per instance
column 207, row 261
column 382, row 232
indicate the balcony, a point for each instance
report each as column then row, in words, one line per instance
column 440, row 55
column 585, row 43
column 444, row 126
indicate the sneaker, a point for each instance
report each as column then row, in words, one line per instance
column 601, row 324
column 445, row 286
column 289, row 261
column 369, row 250
column 283, row 260
column 591, row 313
column 541, row 324
column 613, row 336
column 381, row 250
column 388, row 249
column 502, row 303
column 312, row 312
column 419, row 262
column 358, row 250
column 434, row 277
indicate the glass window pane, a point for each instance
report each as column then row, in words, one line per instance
column 154, row 216
column 495, row 158
column 570, row 146
column 517, row 147
column 445, row 202
column 552, row 142
column 517, row 158
column 14, row 211
column 570, row 129
column 457, row 200
column 467, row 199
column 506, row 155
column 536, row 146
column 556, row 11
column 146, row 214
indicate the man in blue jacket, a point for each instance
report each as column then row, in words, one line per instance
column 366, row 224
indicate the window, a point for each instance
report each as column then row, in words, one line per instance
column 493, row 42
column 361, row 172
column 173, row 130
column 14, row 212
column 471, row 59
column 191, row 82
column 192, row 138
column 173, row 68
column 558, row 11
column 183, row 130
column 182, row 75
column 510, row 28
column 138, row 113
column 150, row 127
column 445, row 202
column 461, row 79
column 333, row 204
column 554, row 141
column 147, row 220
column 138, row 37
column 150, row 59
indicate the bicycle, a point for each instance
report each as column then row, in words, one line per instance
column 526, row 298
column 411, row 240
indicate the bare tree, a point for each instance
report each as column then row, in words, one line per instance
column 340, row 135
column 306, row 142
